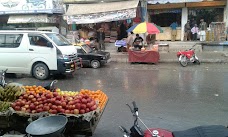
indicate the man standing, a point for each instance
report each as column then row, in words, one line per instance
column 187, row 31
column 100, row 39
column 203, row 28
column 173, row 31
column 195, row 31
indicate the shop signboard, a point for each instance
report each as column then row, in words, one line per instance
column 30, row 6
column 171, row 1
column 102, row 17
column 33, row 19
column 154, row 12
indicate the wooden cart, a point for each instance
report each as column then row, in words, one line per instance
column 75, row 125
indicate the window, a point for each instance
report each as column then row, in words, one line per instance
column 80, row 51
column 10, row 40
column 58, row 39
column 37, row 40
column 87, row 48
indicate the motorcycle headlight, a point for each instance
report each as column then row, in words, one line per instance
column 103, row 57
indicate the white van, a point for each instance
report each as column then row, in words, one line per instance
column 36, row 52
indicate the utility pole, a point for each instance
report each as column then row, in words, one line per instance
column 144, row 10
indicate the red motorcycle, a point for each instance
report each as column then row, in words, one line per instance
column 200, row 131
column 188, row 56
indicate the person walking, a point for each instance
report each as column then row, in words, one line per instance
column 195, row 31
column 202, row 28
column 187, row 31
column 173, row 31
column 100, row 39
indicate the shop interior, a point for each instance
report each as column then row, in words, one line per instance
column 164, row 18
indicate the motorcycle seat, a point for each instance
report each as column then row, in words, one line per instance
column 203, row 131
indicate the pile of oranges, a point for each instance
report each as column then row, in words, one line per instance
column 98, row 95
column 36, row 89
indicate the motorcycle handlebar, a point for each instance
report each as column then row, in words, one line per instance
column 6, row 70
column 135, row 107
column 192, row 48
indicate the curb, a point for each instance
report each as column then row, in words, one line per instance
column 125, row 60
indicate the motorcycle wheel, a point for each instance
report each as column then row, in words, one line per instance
column 183, row 61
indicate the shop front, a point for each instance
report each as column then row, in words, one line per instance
column 164, row 18
column 31, row 14
column 113, row 17
column 165, row 12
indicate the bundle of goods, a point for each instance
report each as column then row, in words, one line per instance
column 8, row 94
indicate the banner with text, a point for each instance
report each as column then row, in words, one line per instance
column 102, row 17
column 31, row 6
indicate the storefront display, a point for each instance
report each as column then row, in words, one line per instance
column 166, row 35
column 165, row 12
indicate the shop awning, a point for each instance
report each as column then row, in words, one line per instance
column 13, row 19
column 171, row 1
column 102, row 12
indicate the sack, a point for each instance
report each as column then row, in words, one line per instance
column 120, row 43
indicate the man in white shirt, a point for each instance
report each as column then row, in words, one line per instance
column 203, row 28
column 195, row 31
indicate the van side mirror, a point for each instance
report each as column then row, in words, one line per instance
column 49, row 44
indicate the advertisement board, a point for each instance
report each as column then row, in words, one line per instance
column 33, row 19
column 30, row 6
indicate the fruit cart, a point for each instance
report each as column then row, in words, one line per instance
column 81, row 121
column 77, row 126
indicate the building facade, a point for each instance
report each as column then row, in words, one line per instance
column 164, row 12
column 31, row 14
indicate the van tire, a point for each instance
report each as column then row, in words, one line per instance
column 40, row 71
column 95, row 64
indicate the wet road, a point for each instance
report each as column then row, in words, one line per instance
column 168, row 95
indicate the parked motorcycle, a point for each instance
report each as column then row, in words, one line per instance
column 188, row 56
column 200, row 131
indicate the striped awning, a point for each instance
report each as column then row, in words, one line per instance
column 81, row 9
column 101, row 12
